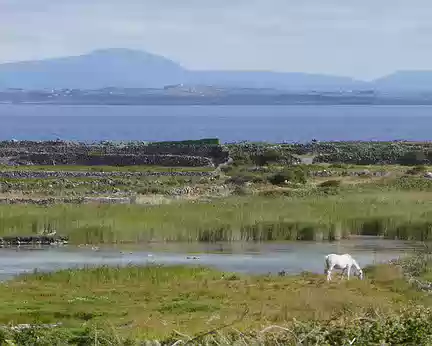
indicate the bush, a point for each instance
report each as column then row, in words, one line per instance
column 240, row 191
column 268, row 156
column 339, row 165
column 292, row 175
column 408, row 327
column 330, row 184
column 241, row 178
column 417, row 170
column 413, row 158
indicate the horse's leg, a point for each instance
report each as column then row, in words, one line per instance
column 329, row 270
column 343, row 273
column 348, row 268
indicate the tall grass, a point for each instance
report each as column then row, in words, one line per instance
column 403, row 215
column 172, row 302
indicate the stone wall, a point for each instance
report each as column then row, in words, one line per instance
column 24, row 174
column 132, row 153
column 112, row 160
column 66, row 200
column 191, row 150
column 41, row 201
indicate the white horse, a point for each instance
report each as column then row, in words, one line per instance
column 344, row 262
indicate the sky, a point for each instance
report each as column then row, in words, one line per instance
column 364, row 39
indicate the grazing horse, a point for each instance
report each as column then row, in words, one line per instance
column 344, row 262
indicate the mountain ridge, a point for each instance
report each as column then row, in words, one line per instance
column 128, row 68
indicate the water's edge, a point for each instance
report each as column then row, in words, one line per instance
column 293, row 258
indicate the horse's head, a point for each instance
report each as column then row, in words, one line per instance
column 359, row 274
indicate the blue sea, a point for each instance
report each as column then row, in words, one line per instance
column 228, row 123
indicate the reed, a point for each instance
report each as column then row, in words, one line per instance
column 393, row 214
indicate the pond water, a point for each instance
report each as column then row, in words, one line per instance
column 293, row 257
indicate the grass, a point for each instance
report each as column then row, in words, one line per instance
column 151, row 302
column 393, row 207
column 402, row 214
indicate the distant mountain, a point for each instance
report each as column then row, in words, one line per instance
column 101, row 68
column 407, row 81
column 127, row 68
column 275, row 80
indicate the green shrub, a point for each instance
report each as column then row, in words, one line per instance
column 266, row 157
column 338, row 165
column 292, row 175
column 330, row 184
column 272, row 155
column 417, row 170
column 240, row 178
column 410, row 158
column 411, row 326
column 240, row 191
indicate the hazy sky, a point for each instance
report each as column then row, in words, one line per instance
column 361, row 38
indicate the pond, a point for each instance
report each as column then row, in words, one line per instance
column 260, row 258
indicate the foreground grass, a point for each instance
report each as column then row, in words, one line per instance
column 152, row 302
column 401, row 214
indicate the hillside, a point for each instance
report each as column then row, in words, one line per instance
column 408, row 81
column 127, row 68
column 99, row 69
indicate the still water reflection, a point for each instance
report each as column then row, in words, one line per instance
column 293, row 257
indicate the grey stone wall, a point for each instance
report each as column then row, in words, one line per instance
column 24, row 174
column 113, row 160
column 133, row 153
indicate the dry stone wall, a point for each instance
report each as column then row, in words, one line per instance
column 66, row 200
column 133, row 153
column 24, row 174
column 115, row 160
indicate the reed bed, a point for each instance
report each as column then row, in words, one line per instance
column 392, row 214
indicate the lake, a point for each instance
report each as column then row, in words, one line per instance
column 229, row 123
column 250, row 258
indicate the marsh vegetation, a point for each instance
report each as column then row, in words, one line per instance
column 125, row 306
column 261, row 196
column 266, row 193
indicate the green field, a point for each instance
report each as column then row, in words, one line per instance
column 174, row 303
